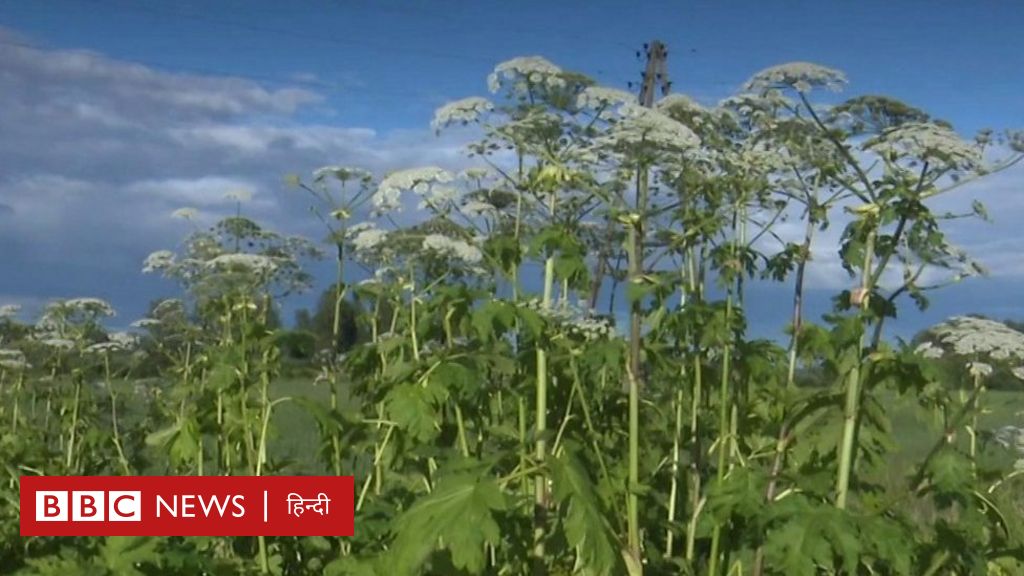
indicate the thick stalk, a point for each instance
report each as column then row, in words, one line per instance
column 851, row 411
column 723, row 440
column 540, row 446
column 695, row 448
column 634, row 368
column 73, row 432
column 798, row 301
column 677, row 438
column 726, row 406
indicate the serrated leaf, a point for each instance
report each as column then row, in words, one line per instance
column 586, row 526
column 125, row 554
column 414, row 408
column 458, row 515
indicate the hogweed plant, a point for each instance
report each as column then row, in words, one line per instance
column 496, row 422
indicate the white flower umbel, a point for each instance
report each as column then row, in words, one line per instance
column 478, row 208
column 249, row 263
column 928, row 350
column 644, row 126
column 341, row 173
column 680, row 102
column 525, row 73
column 145, row 323
column 801, row 76
column 599, row 97
column 13, row 359
column 938, row 145
column 95, row 306
column 979, row 369
column 127, row 340
column 979, row 337
column 58, row 343
column 369, row 239
column 418, row 180
column 158, row 261
column 184, row 213
column 168, row 307
column 9, row 310
column 103, row 348
column 461, row 112
column 452, row 248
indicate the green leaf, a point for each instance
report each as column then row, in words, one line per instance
column 586, row 525
column 813, row 535
column 414, row 408
column 457, row 515
column 125, row 554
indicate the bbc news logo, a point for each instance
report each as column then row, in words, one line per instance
column 187, row 505
column 88, row 506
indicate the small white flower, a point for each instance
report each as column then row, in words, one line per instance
column 460, row 112
column 801, row 76
column 9, row 310
column 157, row 261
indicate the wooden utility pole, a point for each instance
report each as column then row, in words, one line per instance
column 655, row 74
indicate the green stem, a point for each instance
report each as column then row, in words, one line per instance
column 73, row 432
column 851, row 411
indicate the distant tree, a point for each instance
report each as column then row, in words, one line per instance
column 321, row 322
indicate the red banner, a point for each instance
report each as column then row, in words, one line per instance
column 187, row 505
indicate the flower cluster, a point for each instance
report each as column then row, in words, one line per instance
column 980, row 337
column 341, row 173
column 641, row 126
column 366, row 238
column 801, row 76
column 13, row 360
column 158, row 261
column 933, row 143
column 599, row 97
column 452, row 248
column 9, row 310
column 460, row 112
column 241, row 262
column 526, row 72
column 420, row 180
column 574, row 320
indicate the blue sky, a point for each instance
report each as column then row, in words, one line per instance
column 102, row 143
